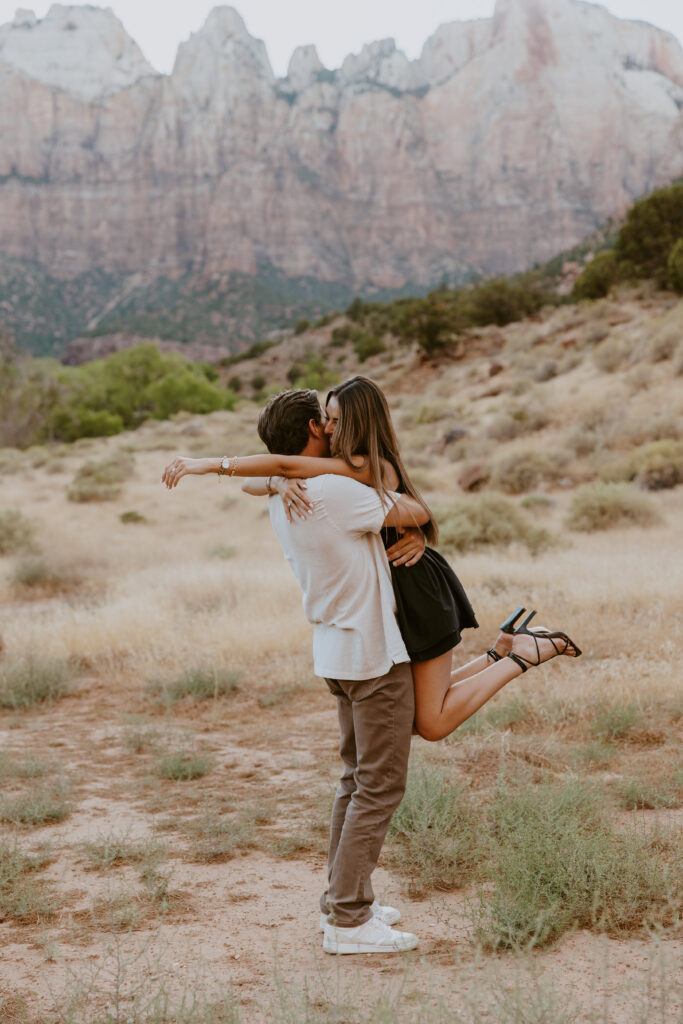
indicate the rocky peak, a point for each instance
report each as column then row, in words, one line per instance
column 222, row 45
column 304, row 67
column 82, row 50
column 451, row 47
column 381, row 64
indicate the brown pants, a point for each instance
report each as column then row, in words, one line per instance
column 375, row 724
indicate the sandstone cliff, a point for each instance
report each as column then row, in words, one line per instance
column 508, row 140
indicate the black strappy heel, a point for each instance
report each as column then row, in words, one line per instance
column 522, row 629
column 509, row 627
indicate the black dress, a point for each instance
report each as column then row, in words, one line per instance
column 431, row 604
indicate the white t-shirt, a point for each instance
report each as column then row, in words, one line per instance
column 338, row 558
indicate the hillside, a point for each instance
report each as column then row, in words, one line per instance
column 219, row 202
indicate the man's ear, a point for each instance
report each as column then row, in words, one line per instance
column 316, row 429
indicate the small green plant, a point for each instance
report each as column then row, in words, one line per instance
column 114, row 848
column 488, row 519
column 35, row 571
column 522, row 471
column 640, row 795
column 602, row 506
column 612, row 721
column 44, row 805
column 101, row 480
column 366, row 345
column 202, row 682
column 222, row 551
column 436, row 832
column 183, row 766
column 219, row 836
column 132, row 516
column 556, row 862
column 596, row 753
column 22, row 898
column 16, row 532
column 34, row 680
column 292, row 845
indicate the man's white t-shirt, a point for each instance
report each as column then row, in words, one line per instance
column 339, row 560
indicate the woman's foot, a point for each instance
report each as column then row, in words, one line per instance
column 535, row 650
column 503, row 644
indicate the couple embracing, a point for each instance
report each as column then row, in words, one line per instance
column 388, row 611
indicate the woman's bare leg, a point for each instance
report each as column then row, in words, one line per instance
column 442, row 703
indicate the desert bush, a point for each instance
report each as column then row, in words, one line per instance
column 658, row 465
column 16, row 532
column 436, row 832
column 36, row 571
column 101, row 480
column 503, row 300
column 33, row 680
column 555, row 862
column 664, row 344
column 641, row 795
column 22, row 897
column 596, row 279
column 611, row 354
column 132, row 516
column 516, row 421
column 115, row 848
column 523, row 471
column 488, row 519
column 258, row 382
column 202, row 682
column 674, row 267
column 44, row 805
column 612, row 721
column 182, row 766
column 301, row 326
column 601, row 506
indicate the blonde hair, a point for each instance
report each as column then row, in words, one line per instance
column 365, row 428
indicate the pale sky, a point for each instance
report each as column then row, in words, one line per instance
column 337, row 29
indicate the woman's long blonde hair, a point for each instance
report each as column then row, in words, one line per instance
column 365, row 428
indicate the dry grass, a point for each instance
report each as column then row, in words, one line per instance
column 246, row 839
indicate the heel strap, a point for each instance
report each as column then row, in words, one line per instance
column 493, row 654
column 518, row 661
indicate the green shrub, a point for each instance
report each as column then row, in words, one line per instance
column 657, row 466
column 101, row 480
column 235, row 383
column 36, row 571
column 340, row 335
column 258, row 382
column 45, row 805
column 366, row 345
column 653, row 227
column 33, row 680
column 183, row 766
column 556, row 863
column 597, row 277
column 674, row 267
column 202, row 682
column 524, row 471
column 640, row 795
column 503, row 301
column 22, row 897
column 294, row 373
column 301, row 326
column 601, row 506
column 132, row 516
column 436, row 832
column 488, row 519
column 16, row 532
column 612, row 721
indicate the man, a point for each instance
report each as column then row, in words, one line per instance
column 339, row 560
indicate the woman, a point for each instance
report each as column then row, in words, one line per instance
column 432, row 607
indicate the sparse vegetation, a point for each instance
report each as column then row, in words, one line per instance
column 183, row 766
column 42, row 805
column 525, row 470
column 33, row 680
column 22, row 897
column 101, row 480
column 602, row 506
column 488, row 519
column 16, row 532
column 201, row 682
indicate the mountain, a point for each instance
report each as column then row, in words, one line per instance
column 223, row 188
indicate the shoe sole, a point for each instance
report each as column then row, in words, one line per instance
column 391, row 920
column 365, row 947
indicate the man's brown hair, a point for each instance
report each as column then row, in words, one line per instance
column 283, row 422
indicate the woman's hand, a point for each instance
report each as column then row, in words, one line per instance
column 408, row 549
column 183, row 466
column 294, row 497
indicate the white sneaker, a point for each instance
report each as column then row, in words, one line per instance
column 372, row 937
column 390, row 915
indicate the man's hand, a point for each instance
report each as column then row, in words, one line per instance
column 408, row 549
